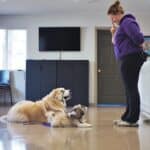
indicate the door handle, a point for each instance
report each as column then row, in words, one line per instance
column 99, row 70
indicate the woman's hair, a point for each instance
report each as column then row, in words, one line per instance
column 115, row 9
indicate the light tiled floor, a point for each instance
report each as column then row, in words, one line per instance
column 102, row 136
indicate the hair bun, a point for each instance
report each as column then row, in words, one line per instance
column 115, row 8
column 117, row 3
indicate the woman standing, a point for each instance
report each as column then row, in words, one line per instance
column 127, row 40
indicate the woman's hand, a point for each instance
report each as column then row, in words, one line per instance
column 113, row 29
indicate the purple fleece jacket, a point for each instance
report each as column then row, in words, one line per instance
column 128, row 37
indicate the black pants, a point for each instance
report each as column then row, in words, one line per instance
column 130, row 66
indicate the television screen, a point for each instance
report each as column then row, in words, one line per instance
column 59, row 39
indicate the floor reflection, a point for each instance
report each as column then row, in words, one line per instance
column 41, row 137
column 102, row 136
column 128, row 138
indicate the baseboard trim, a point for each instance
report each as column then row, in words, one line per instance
column 111, row 105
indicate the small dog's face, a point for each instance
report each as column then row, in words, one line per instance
column 66, row 94
column 77, row 112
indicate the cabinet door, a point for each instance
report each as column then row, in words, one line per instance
column 33, row 80
column 65, row 78
column 40, row 78
column 65, row 74
column 81, row 83
column 48, row 77
column 74, row 75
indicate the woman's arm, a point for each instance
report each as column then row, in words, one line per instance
column 132, row 30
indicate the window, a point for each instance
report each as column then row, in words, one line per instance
column 2, row 48
column 13, row 47
column 146, row 45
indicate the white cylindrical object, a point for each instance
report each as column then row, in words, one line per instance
column 144, row 87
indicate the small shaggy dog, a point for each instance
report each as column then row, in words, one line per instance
column 74, row 118
column 28, row 111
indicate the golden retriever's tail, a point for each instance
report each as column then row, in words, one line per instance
column 3, row 119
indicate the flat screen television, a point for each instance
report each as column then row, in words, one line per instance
column 59, row 38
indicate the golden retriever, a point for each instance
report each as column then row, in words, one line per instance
column 29, row 111
column 74, row 118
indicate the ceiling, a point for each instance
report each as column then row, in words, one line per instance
column 28, row 7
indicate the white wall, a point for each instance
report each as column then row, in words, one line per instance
column 88, row 24
column 18, row 85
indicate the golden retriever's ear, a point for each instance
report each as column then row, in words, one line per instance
column 62, row 90
column 58, row 95
column 54, row 94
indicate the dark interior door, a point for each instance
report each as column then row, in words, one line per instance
column 110, row 88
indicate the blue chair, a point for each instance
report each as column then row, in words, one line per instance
column 5, row 84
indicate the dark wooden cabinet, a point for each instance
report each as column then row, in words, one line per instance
column 40, row 78
column 33, row 80
column 48, row 76
column 74, row 75
column 43, row 75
